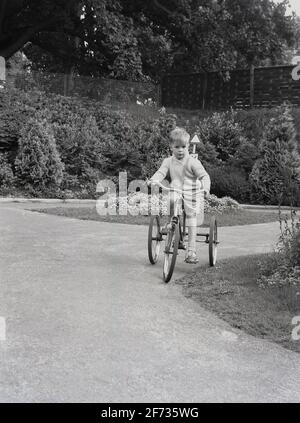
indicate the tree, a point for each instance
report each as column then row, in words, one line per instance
column 140, row 40
column 112, row 43
column 225, row 34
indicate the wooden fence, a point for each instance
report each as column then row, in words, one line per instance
column 255, row 87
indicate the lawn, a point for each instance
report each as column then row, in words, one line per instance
column 231, row 291
column 241, row 217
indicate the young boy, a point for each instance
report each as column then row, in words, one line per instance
column 185, row 173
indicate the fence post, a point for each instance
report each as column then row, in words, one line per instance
column 252, row 71
column 159, row 95
column 2, row 69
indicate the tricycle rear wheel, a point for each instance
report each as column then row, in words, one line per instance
column 154, row 239
column 213, row 241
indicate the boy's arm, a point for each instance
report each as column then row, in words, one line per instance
column 162, row 172
column 201, row 174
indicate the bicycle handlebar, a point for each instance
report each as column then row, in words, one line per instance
column 179, row 191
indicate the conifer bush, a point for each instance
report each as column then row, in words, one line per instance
column 6, row 173
column 275, row 176
column 223, row 132
column 153, row 142
column 38, row 164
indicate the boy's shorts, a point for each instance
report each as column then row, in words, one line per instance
column 193, row 199
column 194, row 207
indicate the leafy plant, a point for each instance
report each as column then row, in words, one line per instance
column 38, row 164
column 229, row 181
column 276, row 174
column 153, row 142
column 283, row 268
column 7, row 178
column 80, row 146
column 213, row 204
column 223, row 132
column 141, row 203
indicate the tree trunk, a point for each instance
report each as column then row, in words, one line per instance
column 70, row 72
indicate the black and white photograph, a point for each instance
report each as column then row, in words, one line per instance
column 149, row 205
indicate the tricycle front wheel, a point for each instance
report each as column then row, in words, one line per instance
column 171, row 251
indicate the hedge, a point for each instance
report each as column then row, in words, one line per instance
column 95, row 141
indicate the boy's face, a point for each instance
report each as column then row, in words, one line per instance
column 179, row 148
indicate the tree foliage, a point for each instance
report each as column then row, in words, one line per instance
column 141, row 40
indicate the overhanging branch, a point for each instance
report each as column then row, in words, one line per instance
column 18, row 43
column 164, row 8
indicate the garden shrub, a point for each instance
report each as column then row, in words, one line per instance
column 38, row 164
column 289, row 241
column 141, row 203
column 122, row 159
column 115, row 123
column 79, row 144
column 14, row 114
column 139, row 149
column 275, row 176
column 254, row 122
column 119, row 146
column 18, row 106
column 245, row 156
column 207, row 153
column 152, row 140
column 223, row 132
column 229, row 181
column 7, row 178
column 213, row 204
column 120, row 155
column 296, row 116
column 283, row 269
column 229, row 147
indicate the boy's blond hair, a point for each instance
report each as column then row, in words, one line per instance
column 179, row 134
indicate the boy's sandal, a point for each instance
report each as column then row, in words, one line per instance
column 181, row 245
column 191, row 257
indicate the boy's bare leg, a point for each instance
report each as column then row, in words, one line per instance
column 171, row 213
column 192, row 238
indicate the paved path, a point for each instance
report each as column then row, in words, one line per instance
column 88, row 319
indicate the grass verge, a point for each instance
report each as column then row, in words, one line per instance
column 230, row 290
column 241, row 217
